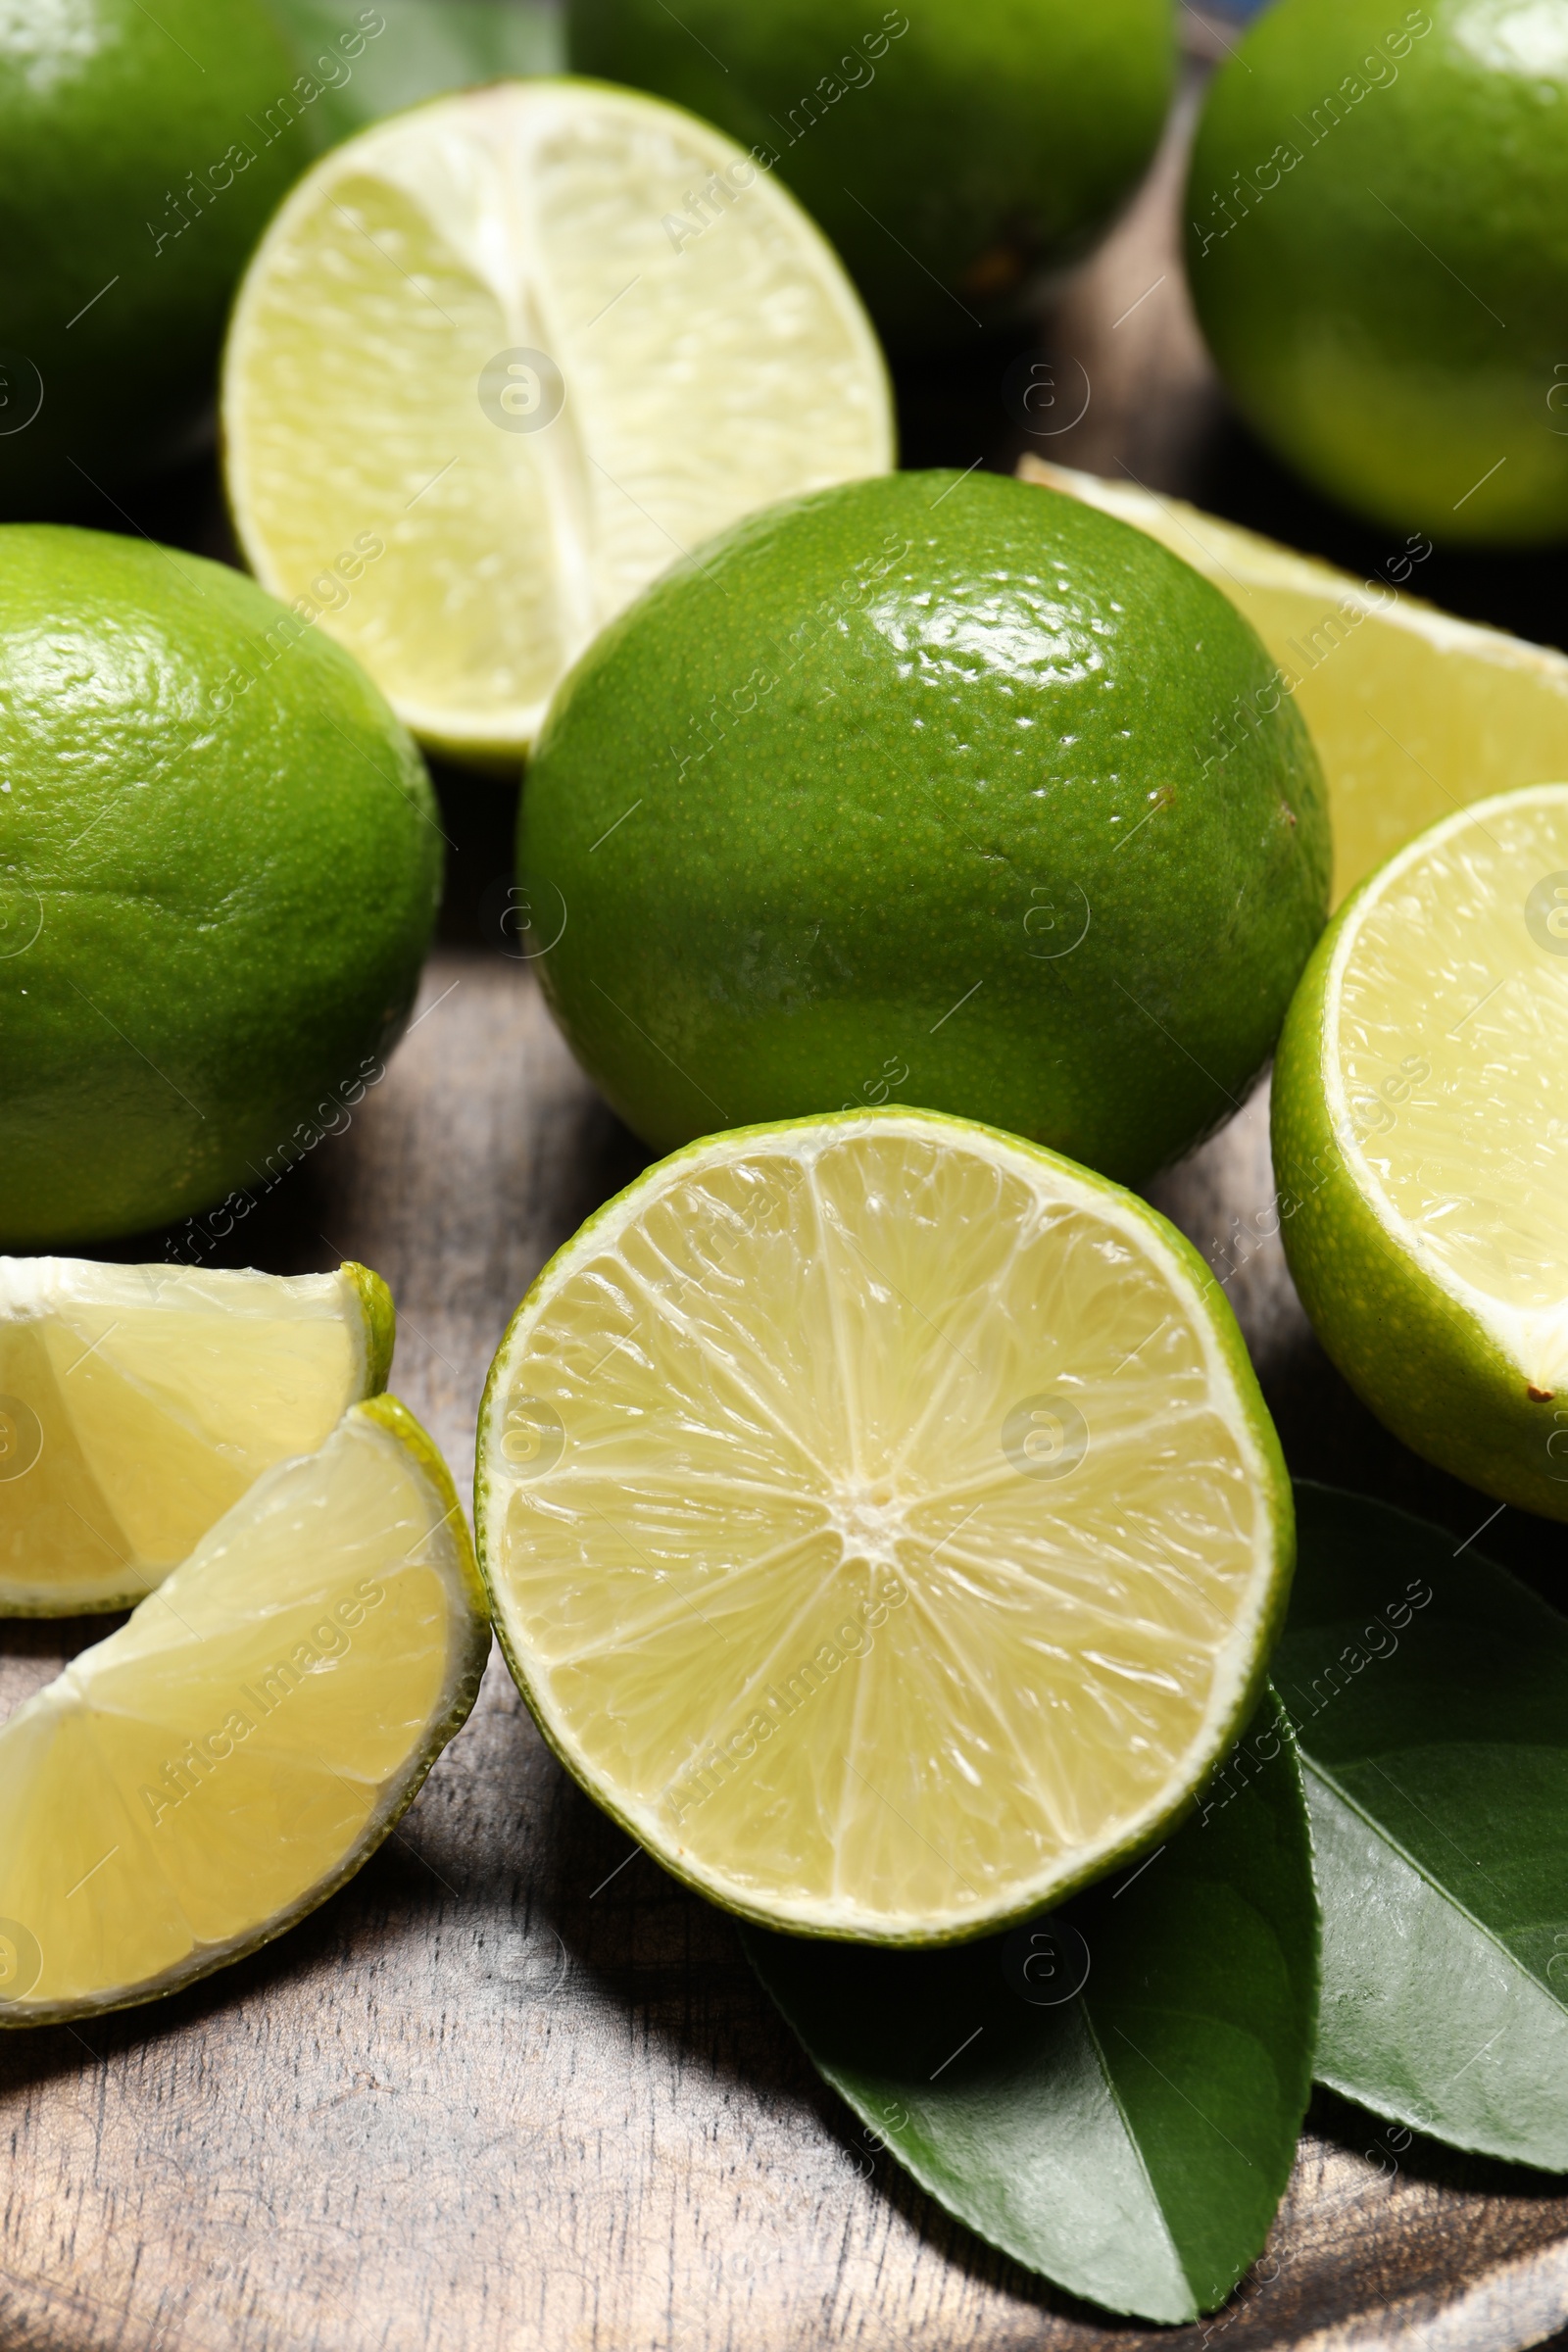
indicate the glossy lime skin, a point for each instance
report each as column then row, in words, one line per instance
column 218, row 873
column 1383, row 277
column 907, row 788
column 947, row 161
column 125, row 185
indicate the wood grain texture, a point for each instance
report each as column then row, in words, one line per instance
column 516, row 2088
column 513, row 2088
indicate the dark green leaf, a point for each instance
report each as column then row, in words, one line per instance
column 1430, row 1692
column 1131, row 2138
column 423, row 47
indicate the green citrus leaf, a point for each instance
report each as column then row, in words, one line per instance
column 1430, row 1695
column 1129, row 2131
column 423, row 47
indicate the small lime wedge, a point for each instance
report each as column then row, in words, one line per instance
column 139, row 1402
column 194, row 1785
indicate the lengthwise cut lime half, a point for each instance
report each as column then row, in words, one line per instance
column 194, row 1785
column 499, row 360
column 882, row 1520
column 137, row 1404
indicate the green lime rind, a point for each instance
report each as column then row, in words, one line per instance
column 380, row 1313
column 1421, row 1359
column 104, row 1603
column 1271, row 1479
column 395, row 1418
column 140, row 157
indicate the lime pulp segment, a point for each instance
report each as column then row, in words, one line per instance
column 194, row 1784
column 137, row 1404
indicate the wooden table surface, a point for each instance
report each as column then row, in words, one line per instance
column 513, row 2088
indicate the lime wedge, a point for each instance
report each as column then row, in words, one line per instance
column 1420, row 1117
column 500, row 361
column 139, row 1402
column 882, row 1520
column 194, row 1785
column 1413, row 714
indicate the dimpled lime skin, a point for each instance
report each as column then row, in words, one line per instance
column 1389, row 315
column 875, row 764
column 1414, row 1354
column 987, row 137
column 218, row 873
column 120, row 187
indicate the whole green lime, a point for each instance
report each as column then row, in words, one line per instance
column 950, row 150
column 141, row 150
column 932, row 789
column 1377, row 242
column 219, row 871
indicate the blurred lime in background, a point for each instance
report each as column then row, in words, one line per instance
column 425, row 47
column 140, row 152
column 950, row 150
column 1377, row 241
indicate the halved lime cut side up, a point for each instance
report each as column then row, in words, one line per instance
column 882, row 1520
